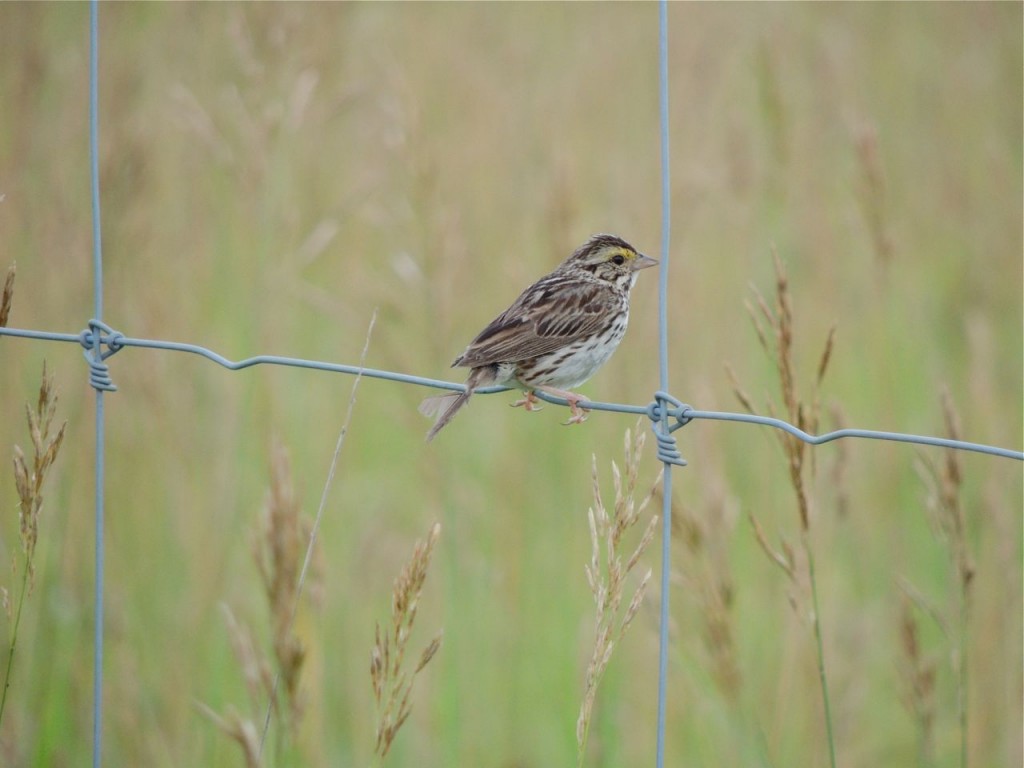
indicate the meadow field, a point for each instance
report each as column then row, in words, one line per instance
column 274, row 174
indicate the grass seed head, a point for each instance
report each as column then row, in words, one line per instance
column 7, row 296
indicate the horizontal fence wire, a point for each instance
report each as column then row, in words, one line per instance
column 680, row 413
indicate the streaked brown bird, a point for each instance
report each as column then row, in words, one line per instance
column 556, row 335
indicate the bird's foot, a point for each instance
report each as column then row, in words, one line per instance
column 529, row 402
column 578, row 414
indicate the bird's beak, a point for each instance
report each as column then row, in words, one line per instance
column 643, row 262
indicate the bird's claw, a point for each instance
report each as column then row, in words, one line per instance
column 578, row 414
column 529, row 403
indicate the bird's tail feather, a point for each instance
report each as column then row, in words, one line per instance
column 444, row 407
column 448, row 405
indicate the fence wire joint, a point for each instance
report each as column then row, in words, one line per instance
column 93, row 339
column 665, row 407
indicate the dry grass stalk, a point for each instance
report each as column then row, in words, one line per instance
column 918, row 671
column 283, row 624
column 738, row 391
column 774, row 324
column 392, row 683
column 951, row 481
column 255, row 665
column 783, row 559
column 872, row 192
column 944, row 483
column 28, row 481
column 277, row 549
column 7, row 296
column 259, row 685
column 774, row 328
column 786, row 558
column 840, row 464
column 607, row 570
column 946, row 514
column 241, row 730
column 925, row 606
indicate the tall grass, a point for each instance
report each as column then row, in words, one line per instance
column 610, row 567
column 392, row 680
column 774, row 325
column 272, row 173
column 272, row 671
column 29, row 478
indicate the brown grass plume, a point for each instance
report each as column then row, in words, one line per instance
column 609, row 568
column 392, row 682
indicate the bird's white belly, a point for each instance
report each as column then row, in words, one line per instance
column 567, row 368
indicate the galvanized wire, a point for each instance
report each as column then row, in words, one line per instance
column 678, row 412
column 667, row 451
column 100, row 379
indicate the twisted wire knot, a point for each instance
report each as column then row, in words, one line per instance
column 666, row 406
column 93, row 339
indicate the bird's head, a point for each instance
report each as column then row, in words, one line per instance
column 610, row 258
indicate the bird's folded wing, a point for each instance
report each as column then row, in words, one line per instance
column 540, row 322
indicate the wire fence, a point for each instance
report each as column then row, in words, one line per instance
column 99, row 342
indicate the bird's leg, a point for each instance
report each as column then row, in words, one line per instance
column 529, row 402
column 578, row 414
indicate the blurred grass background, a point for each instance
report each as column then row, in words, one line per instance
column 272, row 173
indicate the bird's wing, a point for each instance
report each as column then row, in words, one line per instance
column 544, row 318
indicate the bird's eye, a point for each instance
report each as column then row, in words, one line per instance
column 618, row 259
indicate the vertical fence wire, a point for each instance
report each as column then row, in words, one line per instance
column 666, row 514
column 97, row 690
